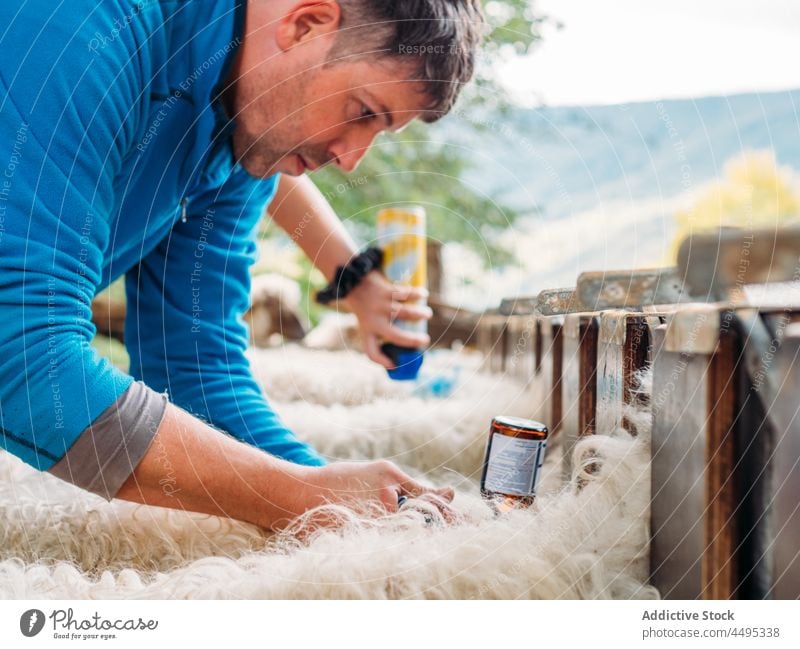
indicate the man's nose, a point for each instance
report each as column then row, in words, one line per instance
column 350, row 151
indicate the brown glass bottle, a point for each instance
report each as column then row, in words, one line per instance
column 512, row 464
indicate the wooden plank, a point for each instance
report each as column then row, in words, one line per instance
column 677, row 500
column 784, row 412
column 435, row 270
column 550, row 371
column 520, row 358
column 719, row 567
column 579, row 383
column 492, row 340
column 623, row 351
column 450, row 324
column 500, row 335
column 710, row 470
column 484, row 340
column 769, row 439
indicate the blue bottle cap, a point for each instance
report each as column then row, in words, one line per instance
column 407, row 364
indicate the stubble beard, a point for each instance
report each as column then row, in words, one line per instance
column 260, row 152
column 252, row 153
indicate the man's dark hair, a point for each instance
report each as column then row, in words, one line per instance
column 439, row 38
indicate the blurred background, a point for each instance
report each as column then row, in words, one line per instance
column 595, row 137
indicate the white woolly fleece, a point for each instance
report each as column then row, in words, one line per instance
column 587, row 539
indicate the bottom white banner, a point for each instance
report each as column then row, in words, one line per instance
column 398, row 624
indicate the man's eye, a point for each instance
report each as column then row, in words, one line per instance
column 366, row 114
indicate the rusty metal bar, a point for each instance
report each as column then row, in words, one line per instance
column 629, row 289
column 718, row 265
column 518, row 305
column 618, row 289
column 556, row 302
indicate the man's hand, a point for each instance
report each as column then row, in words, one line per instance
column 376, row 302
column 191, row 466
column 366, row 487
column 306, row 216
column 371, row 489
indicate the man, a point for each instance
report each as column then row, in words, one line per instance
column 145, row 137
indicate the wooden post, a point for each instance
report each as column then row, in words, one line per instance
column 550, row 370
column 435, row 270
column 784, row 414
column 624, row 343
column 520, row 360
column 709, row 469
column 719, row 569
column 579, row 382
column 492, row 340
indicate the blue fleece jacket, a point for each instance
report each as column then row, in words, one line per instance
column 111, row 132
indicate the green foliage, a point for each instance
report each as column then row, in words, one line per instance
column 514, row 28
column 413, row 167
column 512, row 23
column 753, row 193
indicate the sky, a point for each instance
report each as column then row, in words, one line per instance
column 640, row 50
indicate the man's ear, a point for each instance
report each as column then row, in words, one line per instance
column 307, row 20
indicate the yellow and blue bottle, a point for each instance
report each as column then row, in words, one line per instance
column 401, row 236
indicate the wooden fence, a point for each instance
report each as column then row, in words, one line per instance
column 725, row 512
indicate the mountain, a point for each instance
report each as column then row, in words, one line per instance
column 600, row 184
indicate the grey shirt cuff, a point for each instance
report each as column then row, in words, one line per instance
column 106, row 453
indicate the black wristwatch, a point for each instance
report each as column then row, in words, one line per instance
column 348, row 277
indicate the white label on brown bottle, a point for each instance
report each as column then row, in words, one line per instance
column 515, row 465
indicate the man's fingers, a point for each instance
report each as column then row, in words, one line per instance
column 406, row 293
column 412, row 488
column 403, row 338
column 439, row 498
column 411, row 311
column 448, row 493
column 373, row 352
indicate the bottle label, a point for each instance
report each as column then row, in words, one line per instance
column 401, row 235
column 515, row 465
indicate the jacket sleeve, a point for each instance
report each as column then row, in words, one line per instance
column 66, row 119
column 184, row 328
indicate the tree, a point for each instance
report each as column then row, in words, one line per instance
column 753, row 193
